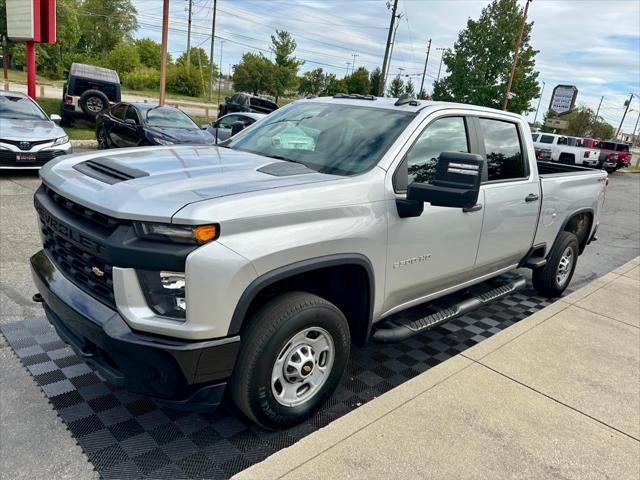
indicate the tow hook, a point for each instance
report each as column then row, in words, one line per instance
column 37, row 298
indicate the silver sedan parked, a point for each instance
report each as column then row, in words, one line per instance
column 223, row 128
column 29, row 138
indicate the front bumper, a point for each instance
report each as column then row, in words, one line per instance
column 9, row 155
column 174, row 372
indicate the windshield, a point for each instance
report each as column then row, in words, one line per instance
column 20, row 108
column 338, row 139
column 169, row 118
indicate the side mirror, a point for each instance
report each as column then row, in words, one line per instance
column 456, row 184
column 236, row 127
column 55, row 117
column 130, row 121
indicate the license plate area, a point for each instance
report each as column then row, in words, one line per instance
column 25, row 157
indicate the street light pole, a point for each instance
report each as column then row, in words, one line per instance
column 424, row 72
column 538, row 107
column 505, row 102
column 213, row 38
column 189, row 37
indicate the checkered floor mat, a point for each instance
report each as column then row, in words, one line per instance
column 126, row 435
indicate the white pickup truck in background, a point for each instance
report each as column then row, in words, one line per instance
column 568, row 150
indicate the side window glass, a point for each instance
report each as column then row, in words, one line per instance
column 132, row 115
column 118, row 111
column 228, row 121
column 447, row 134
column 502, row 146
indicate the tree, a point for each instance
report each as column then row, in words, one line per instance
column 334, row 85
column 312, row 82
column 123, row 58
column 255, row 74
column 286, row 65
column 424, row 95
column 107, row 23
column 375, row 78
column 397, row 87
column 150, row 53
column 582, row 122
column 198, row 57
column 480, row 61
column 410, row 88
column 184, row 81
column 358, row 82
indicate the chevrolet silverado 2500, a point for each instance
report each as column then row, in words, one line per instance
column 182, row 271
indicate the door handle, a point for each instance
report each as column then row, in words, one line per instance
column 475, row 208
column 532, row 197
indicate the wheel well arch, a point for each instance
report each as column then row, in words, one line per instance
column 346, row 280
column 580, row 224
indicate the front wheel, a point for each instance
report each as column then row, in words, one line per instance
column 555, row 276
column 294, row 353
column 103, row 141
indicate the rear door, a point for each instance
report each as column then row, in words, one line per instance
column 511, row 195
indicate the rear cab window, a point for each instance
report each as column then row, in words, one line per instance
column 503, row 149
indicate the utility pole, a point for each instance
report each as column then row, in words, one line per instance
column 441, row 57
column 213, row 39
column 538, row 107
column 627, row 103
column 353, row 67
column 5, row 57
column 599, row 105
column 388, row 47
column 189, row 37
column 163, row 53
column 348, row 66
column 424, row 72
column 393, row 43
column 633, row 137
column 505, row 102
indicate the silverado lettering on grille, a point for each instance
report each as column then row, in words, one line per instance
column 66, row 231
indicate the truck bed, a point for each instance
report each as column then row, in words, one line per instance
column 547, row 169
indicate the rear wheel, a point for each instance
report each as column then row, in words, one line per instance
column 93, row 102
column 567, row 158
column 555, row 276
column 294, row 352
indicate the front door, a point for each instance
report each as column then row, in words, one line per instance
column 511, row 195
column 437, row 249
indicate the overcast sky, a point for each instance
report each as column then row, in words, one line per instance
column 592, row 44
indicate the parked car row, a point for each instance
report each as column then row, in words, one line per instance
column 588, row 152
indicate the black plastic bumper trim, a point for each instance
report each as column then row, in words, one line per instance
column 174, row 371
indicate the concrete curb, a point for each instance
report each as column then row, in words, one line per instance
column 90, row 144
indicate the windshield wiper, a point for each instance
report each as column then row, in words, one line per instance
column 280, row 157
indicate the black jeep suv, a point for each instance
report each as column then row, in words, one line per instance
column 245, row 102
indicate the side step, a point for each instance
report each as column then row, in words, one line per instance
column 535, row 262
column 405, row 330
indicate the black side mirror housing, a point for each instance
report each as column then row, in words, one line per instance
column 456, row 184
column 236, row 127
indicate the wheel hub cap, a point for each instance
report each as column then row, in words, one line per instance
column 302, row 366
column 564, row 266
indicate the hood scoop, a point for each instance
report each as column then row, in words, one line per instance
column 285, row 169
column 109, row 171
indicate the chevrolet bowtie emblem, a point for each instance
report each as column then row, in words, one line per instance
column 97, row 272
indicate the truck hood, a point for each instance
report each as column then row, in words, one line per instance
column 29, row 130
column 153, row 183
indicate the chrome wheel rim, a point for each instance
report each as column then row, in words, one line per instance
column 302, row 366
column 564, row 266
column 94, row 104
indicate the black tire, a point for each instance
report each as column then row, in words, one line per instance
column 101, row 137
column 265, row 340
column 546, row 280
column 66, row 120
column 93, row 103
column 567, row 159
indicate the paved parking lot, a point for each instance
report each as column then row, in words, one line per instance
column 35, row 443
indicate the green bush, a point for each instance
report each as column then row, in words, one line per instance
column 142, row 78
column 123, row 58
column 184, row 81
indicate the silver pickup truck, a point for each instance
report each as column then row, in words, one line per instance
column 180, row 271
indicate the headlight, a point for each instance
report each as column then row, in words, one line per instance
column 160, row 141
column 164, row 292
column 177, row 233
column 61, row 140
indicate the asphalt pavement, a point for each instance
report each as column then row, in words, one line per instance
column 34, row 443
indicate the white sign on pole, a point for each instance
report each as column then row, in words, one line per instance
column 20, row 16
column 563, row 98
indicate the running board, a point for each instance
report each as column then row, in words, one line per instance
column 405, row 330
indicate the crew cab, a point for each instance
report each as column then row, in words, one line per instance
column 621, row 152
column 563, row 149
column 253, row 266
